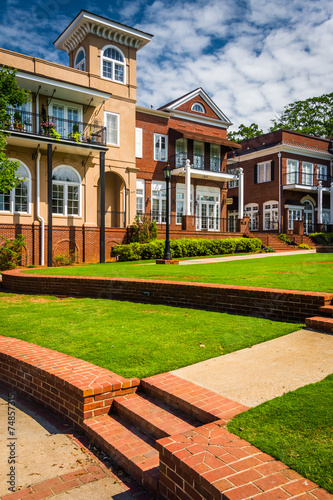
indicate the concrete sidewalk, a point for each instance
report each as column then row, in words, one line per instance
column 51, row 461
column 213, row 260
column 265, row 371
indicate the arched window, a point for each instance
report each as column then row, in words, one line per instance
column 80, row 60
column 113, row 64
column 271, row 215
column 18, row 200
column 66, row 191
column 198, row 108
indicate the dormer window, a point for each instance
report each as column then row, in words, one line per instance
column 113, row 64
column 198, row 108
column 80, row 60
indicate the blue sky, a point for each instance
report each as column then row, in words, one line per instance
column 252, row 57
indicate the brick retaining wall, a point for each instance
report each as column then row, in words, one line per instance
column 72, row 388
column 284, row 305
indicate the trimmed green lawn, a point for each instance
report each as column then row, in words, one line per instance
column 310, row 272
column 297, row 429
column 133, row 340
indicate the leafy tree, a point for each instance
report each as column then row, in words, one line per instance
column 313, row 116
column 10, row 95
column 245, row 132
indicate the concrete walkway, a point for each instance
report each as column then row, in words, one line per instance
column 265, row 371
column 51, row 461
column 213, row 260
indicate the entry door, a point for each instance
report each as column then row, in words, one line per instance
column 207, row 216
column 308, row 217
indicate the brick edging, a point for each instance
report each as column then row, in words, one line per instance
column 285, row 305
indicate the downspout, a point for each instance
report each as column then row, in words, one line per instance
column 280, row 183
column 39, row 217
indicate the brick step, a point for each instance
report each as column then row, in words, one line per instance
column 153, row 417
column 198, row 402
column 326, row 310
column 320, row 323
column 129, row 447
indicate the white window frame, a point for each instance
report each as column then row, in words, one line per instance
column 235, row 182
column 78, row 65
column 273, row 212
column 322, row 172
column 113, row 61
column 12, row 193
column 251, row 210
column 209, row 197
column 158, row 150
column 307, row 176
column 159, row 187
column 180, row 202
column 264, row 172
column 294, row 213
column 65, row 184
column 138, row 142
column 140, row 186
column 200, row 107
column 117, row 116
column 66, row 105
column 292, row 171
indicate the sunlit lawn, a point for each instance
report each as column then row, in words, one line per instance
column 297, row 429
column 131, row 339
column 311, row 272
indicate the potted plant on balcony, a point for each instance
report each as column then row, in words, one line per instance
column 75, row 135
column 17, row 120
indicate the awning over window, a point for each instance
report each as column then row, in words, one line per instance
column 197, row 136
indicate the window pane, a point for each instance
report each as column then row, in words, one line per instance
column 57, row 199
column 119, row 73
column 73, row 200
column 5, row 201
column 107, row 69
column 112, row 128
column 21, row 198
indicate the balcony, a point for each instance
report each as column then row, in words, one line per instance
column 303, row 181
column 33, row 124
column 198, row 162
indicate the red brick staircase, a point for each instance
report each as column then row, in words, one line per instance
column 166, row 405
column 271, row 240
column 324, row 321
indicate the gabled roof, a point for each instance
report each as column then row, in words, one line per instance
column 86, row 22
column 174, row 105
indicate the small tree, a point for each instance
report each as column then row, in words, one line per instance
column 11, row 252
column 143, row 230
column 11, row 95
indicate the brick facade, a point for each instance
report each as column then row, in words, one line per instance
column 289, row 191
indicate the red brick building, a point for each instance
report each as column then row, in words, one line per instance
column 190, row 134
column 287, row 182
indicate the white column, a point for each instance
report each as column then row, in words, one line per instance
column 187, row 188
column 320, row 202
column 331, row 204
column 241, row 194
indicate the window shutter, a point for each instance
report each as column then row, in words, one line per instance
column 138, row 142
column 256, row 173
column 272, row 170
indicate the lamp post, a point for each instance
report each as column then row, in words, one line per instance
column 167, row 177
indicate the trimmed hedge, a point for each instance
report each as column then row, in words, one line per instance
column 322, row 238
column 186, row 247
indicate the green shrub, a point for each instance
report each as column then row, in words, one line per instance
column 143, row 230
column 11, row 252
column 283, row 237
column 65, row 259
column 186, row 247
column 304, row 246
column 322, row 238
column 268, row 250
